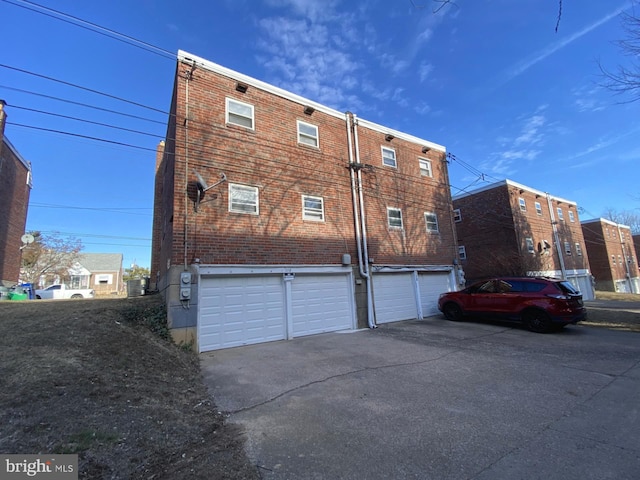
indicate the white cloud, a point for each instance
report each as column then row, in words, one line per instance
column 424, row 70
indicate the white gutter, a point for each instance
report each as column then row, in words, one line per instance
column 362, row 263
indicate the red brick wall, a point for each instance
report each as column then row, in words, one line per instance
column 494, row 230
column 14, row 198
column 603, row 241
column 271, row 159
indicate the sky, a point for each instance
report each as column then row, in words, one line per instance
column 88, row 87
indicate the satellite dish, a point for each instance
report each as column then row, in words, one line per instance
column 202, row 183
column 27, row 238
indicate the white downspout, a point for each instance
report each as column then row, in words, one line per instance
column 362, row 264
column 556, row 237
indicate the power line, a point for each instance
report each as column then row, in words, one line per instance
column 94, row 27
column 85, row 121
column 95, row 209
column 75, row 85
column 113, row 142
column 82, row 104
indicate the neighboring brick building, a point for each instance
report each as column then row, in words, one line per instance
column 510, row 229
column 612, row 254
column 15, row 189
column 275, row 216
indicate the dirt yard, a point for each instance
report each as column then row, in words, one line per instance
column 90, row 377
column 100, row 379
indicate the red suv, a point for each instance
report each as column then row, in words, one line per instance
column 540, row 303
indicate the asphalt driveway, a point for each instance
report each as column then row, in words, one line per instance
column 439, row 400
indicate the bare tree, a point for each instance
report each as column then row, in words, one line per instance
column 625, row 79
column 48, row 254
column 624, row 217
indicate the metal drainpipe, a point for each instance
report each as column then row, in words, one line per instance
column 365, row 249
column 556, row 238
column 364, row 273
column 186, row 162
column 624, row 259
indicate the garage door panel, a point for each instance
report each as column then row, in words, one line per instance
column 240, row 311
column 321, row 303
column 394, row 297
column 431, row 286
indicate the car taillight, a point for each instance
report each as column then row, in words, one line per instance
column 558, row 296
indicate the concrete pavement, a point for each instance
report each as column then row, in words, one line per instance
column 434, row 399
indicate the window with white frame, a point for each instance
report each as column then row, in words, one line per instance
column 620, row 259
column 425, row 167
column 538, row 208
column 462, row 252
column 312, row 208
column 567, row 248
column 104, row 279
column 560, row 214
column 530, row 246
column 394, row 217
column 572, row 217
column 431, row 220
column 389, row 157
column 578, row 250
column 613, row 259
column 307, row 134
column 239, row 113
column 523, row 205
column 243, row 199
column 457, row 215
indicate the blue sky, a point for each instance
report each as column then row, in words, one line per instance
column 492, row 81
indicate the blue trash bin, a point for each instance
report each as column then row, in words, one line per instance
column 28, row 288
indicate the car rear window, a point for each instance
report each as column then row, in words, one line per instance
column 566, row 287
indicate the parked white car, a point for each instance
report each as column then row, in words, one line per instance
column 61, row 291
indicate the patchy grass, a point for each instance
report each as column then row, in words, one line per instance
column 100, row 378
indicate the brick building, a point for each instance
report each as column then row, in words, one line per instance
column 510, row 229
column 612, row 254
column 15, row 189
column 276, row 216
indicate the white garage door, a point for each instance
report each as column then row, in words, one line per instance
column 394, row 297
column 240, row 311
column 321, row 303
column 431, row 285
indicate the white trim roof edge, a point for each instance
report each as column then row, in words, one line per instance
column 227, row 72
column 605, row 220
column 511, row 183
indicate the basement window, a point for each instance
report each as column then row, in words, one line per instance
column 239, row 113
column 243, row 199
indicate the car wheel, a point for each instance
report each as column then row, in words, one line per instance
column 452, row 312
column 76, row 295
column 537, row 321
